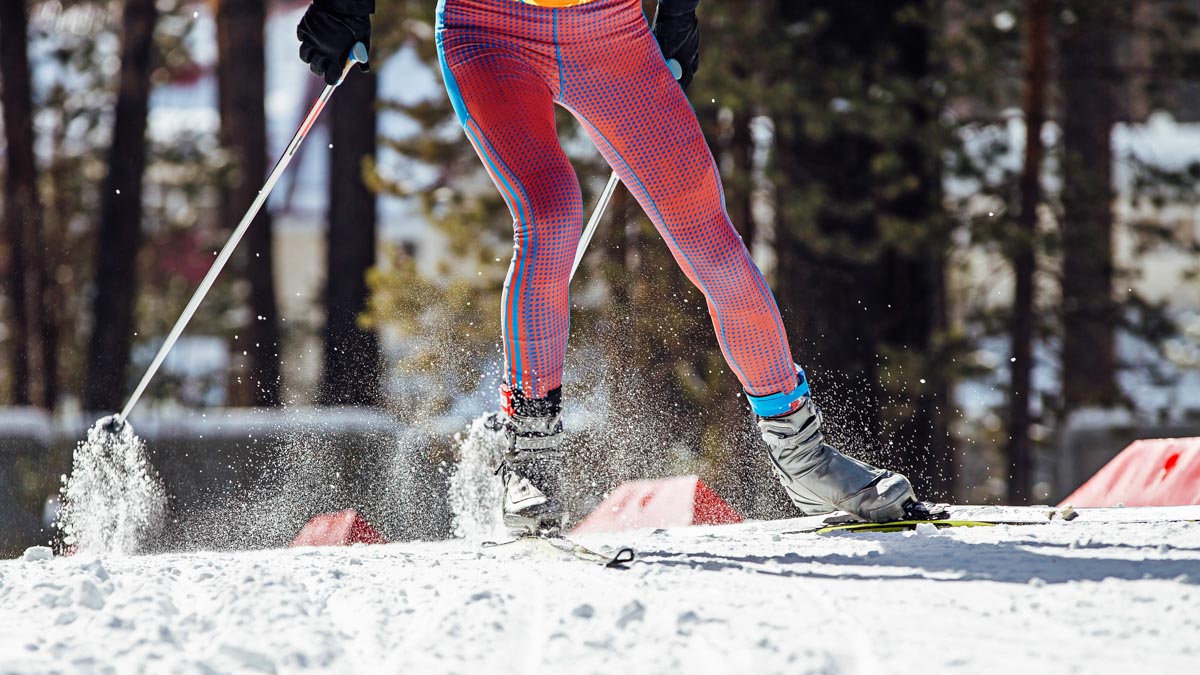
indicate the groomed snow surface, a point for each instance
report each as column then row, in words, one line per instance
column 1084, row 596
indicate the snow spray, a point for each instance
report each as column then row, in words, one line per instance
column 603, row 448
column 475, row 491
column 112, row 499
column 113, row 502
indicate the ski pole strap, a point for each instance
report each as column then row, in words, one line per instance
column 622, row 559
column 774, row 405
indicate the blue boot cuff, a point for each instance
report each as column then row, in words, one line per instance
column 782, row 403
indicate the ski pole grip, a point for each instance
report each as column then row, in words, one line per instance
column 676, row 69
column 358, row 54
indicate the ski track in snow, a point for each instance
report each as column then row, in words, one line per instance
column 1078, row 597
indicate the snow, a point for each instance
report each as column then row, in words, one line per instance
column 30, row 423
column 113, row 498
column 1084, row 596
column 36, row 553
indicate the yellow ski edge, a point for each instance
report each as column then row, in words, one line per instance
column 901, row 526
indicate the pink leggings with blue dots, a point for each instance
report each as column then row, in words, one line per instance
column 506, row 65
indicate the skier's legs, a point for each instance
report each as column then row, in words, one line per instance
column 498, row 86
column 504, row 63
column 498, row 64
column 615, row 81
column 641, row 121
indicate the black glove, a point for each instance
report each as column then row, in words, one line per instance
column 678, row 35
column 329, row 30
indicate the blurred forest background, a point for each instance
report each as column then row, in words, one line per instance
column 980, row 220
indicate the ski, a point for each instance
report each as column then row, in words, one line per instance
column 901, row 526
column 940, row 515
column 561, row 548
column 914, row 512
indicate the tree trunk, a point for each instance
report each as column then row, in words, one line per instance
column 47, row 325
column 241, row 75
column 1090, row 83
column 821, row 292
column 22, row 209
column 865, row 307
column 1021, row 330
column 740, row 195
column 119, row 235
column 351, row 374
column 26, row 211
column 912, row 294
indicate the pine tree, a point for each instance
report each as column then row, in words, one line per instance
column 352, row 367
column 119, row 233
column 861, row 237
column 241, row 73
column 1037, row 19
column 1091, row 84
column 22, row 212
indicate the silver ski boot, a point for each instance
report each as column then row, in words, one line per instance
column 819, row 479
column 532, row 465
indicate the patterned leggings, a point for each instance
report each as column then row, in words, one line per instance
column 505, row 65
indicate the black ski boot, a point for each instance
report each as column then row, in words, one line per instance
column 532, row 465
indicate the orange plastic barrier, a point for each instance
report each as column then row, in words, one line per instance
column 1160, row 472
column 338, row 529
column 670, row 502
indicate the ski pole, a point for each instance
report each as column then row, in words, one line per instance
column 358, row 54
column 594, row 221
column 606, row 196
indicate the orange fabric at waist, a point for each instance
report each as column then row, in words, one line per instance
column 555, row 3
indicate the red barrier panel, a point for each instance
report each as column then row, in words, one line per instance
column 338, row 529
column 1160, row 472
column 670, row 502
